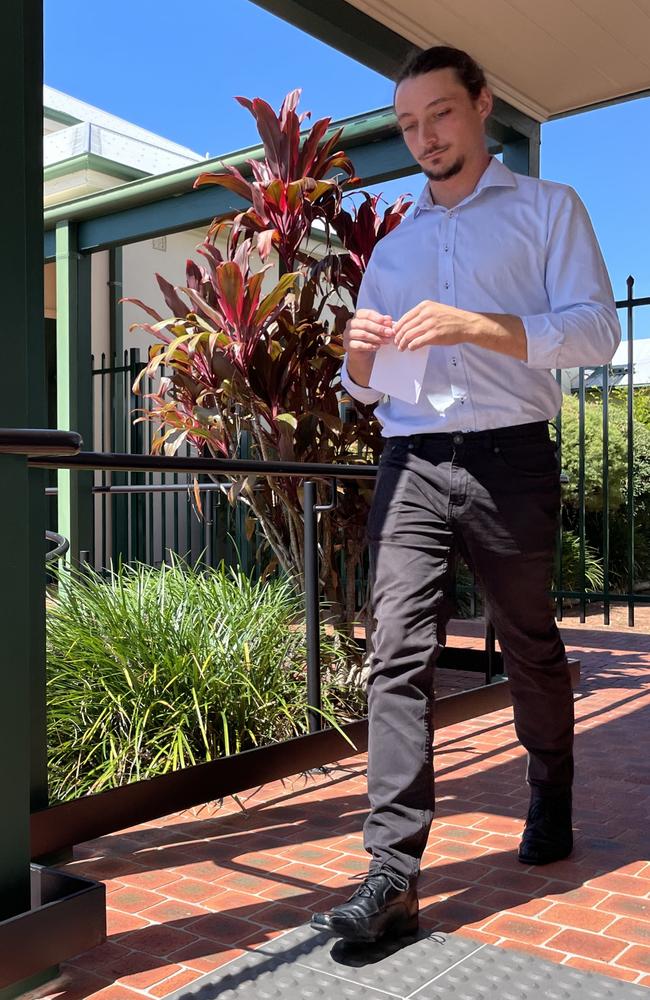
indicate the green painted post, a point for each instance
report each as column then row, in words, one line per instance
column 74, row 384
column 21, row 282
column 119, row 503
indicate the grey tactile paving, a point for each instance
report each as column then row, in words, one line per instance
column 397, row 967
column 304, row 964
column 512, row 975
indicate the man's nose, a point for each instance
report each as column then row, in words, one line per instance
column 428, row 137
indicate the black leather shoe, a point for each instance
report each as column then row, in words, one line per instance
column 385, row 904
column 548, row 834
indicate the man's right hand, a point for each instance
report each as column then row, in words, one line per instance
column 364, row 334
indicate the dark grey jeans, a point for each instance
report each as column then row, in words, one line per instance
column 494, row 497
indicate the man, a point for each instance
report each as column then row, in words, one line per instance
column 499, row 278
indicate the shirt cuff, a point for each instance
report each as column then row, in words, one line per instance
column 544, row 341
column 362, row 393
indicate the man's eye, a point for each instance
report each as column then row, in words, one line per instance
column 407, row 128
column 442, row 114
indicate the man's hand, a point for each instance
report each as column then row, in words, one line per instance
column 367, row 331
column 364, row 334
column 433, row 323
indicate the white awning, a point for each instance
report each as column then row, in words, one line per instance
column 546, row 58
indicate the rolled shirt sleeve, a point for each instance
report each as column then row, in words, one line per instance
column 369, row 297
column 582, row 328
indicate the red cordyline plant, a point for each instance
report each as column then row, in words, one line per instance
column 232, row 359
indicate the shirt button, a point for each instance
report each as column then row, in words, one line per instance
column 446, row 247
column 446, row 284
column 450, row 215
column 453, row 361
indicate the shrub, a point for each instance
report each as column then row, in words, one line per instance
column 617, row 465
column 156, row 669
column 571, row 577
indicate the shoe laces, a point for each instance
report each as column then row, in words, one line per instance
column 369, row 886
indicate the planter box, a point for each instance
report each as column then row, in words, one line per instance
column 67, row 916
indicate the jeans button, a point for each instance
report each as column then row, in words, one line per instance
column 457, row 439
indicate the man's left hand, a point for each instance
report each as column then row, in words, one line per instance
column 432, row 323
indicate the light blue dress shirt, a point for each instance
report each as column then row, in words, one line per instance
column 518, row 245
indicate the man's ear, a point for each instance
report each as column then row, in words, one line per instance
column 485, row 102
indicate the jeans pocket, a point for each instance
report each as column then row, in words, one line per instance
column 529, row 458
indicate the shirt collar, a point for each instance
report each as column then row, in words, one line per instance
column 496, row 174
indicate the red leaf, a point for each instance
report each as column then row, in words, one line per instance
column 275, row 296
column 231, row 180
column 271, row 136
column 245, row 103
column 171, row 297
column 265, row 243
column 289, row 104
column 310, row 146
column 231, row 291
column 147, row 309
column 253, row 292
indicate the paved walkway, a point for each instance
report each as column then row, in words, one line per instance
column 193, row 891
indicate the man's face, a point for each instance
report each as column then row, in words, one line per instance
column 440, row 123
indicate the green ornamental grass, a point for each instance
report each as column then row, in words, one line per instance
column 155, row 669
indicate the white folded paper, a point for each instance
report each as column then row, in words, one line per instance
column 399, row 373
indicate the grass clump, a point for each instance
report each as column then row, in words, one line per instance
column 155, row 669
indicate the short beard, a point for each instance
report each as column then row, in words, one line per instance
column 444, row 175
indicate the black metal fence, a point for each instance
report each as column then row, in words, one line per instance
column 602, row 558
column 148, row 516
column 607, row 498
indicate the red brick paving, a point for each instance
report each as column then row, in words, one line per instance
column 193, row 891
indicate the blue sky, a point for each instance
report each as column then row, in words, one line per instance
column 174, row 68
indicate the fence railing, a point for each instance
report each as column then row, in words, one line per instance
column 84, row 818
column 147, row 516
column 609, row 388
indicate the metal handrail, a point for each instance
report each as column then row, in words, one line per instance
column 33, row 442
column 62, row 546
column 306, row 470
column 124, row 462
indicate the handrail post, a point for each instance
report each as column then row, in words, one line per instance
column 489, row 649
column 312, row 607
column 312, row 601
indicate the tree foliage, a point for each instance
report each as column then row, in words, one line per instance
column 617, row 453
column 230, row 359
